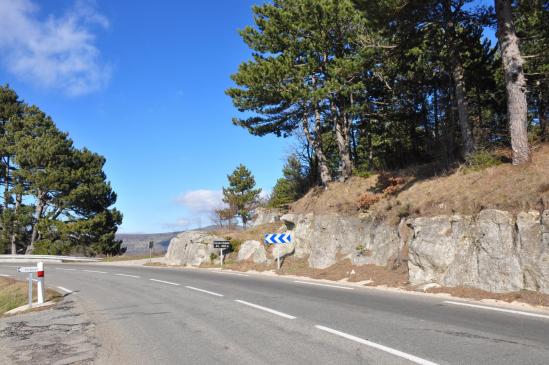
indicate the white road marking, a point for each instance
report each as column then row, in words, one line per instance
column 204, row 291
column 498, row 309
column 95, row 271
column 328, row 285
column 404, row 355
column 230, row 273
column 65, row 290
column 165, row 282
column 35, row 280
column 62, row 268
column 284, row 315
column 129, row 276
column 5, row 275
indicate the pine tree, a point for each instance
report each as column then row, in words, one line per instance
column 241, row 194
column 291, row 186
column 513, row 65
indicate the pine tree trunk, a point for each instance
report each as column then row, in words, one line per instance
column 342, row 138
column 13, row 238
column 325, row 176
column 37, row 215
column 515, row 81
column 543, row 120
column 463, row 108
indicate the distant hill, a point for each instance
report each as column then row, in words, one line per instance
column 138, row 243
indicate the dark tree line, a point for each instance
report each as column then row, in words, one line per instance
column 55, row 197
column 384, row 84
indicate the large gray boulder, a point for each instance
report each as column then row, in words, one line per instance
column 324, row 237
column 493, row 251
column 252, row 250
column 265, row 216
column 191, row 248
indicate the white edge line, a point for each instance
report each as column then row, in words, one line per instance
column 165, row 282
column 229, row 273
column 5, row 275
column 284, row 315
column 128, row 276
column 65, row 290
column 404, row 355
column 95, row 271
column 62, row 268
column 498, row 309
column 328, row 285
column 204, row 291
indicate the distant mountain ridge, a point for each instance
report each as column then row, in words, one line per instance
column 138, row 243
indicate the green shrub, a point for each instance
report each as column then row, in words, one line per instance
column 481, row 160
column 235, row 244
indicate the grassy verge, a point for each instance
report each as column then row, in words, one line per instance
column 130, row 257
column 14, row 294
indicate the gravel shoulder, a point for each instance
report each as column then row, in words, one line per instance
column 62, row 335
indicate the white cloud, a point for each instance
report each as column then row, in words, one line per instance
column 56, row 51
column 201, row 201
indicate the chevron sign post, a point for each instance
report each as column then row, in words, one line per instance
column 278, row 238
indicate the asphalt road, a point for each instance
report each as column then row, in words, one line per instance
column 147, row 315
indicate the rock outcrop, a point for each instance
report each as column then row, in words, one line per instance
column 493, row 251
column 323, row 237
column 253, row 250
column 266, row 215
column 192, row 248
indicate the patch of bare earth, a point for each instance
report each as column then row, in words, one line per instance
column 525, row 296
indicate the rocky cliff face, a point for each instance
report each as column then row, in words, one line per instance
column 192, row 248
column 493, row 251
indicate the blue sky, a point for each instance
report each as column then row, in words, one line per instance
column 142, row 83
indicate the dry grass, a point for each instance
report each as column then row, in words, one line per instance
column 253, row 233
column 505, row 187
column 14, row 294
column 131, row 257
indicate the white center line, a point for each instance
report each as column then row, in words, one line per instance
column 328, row 285
column 404, row 355
column 284, row 315
column 65, row 290
column 5, row 275
column 95, row 271
column 498, row 309
column 129, row 276
column 165, row 282
column 61, row 268
column 230, row 273
column 204, row 291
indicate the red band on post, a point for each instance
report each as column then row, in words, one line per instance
column 40, row 274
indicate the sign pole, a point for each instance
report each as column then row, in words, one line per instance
column 40, row 288
column 221, row 256
column 278, row 258
column 30, row 289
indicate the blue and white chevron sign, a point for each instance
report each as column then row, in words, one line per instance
column 278, row 238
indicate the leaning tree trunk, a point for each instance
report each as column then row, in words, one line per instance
column 342, row 138
column 13, row 238
column 463, row 109
column 515, row 82
column 40, row 204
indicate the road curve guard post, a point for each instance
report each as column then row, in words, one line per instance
column 222, row 245
column 278, row 238
column 41, row 288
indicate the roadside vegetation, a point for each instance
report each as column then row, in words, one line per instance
column 14, row 294
column 56, row 198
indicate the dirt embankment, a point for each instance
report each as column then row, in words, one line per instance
column 427, row 191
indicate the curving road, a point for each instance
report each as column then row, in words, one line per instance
column 147, row 315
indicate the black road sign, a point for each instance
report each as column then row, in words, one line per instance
column 151, row 245
column 222, row 244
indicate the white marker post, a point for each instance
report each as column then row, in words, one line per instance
column 30, row 289
column 221, row 256
column 40, row 287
